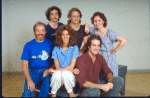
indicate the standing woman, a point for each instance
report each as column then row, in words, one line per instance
column 108, row 37
column 74, row 21
column 107, row 50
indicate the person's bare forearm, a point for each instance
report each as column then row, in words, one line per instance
column 70, row 67
column 53, row 66
column 105, row 87
column 25, row 70
column 89, row 84
column 121, row 44
column 85, row 41
column 86, row 30
column 110, row 76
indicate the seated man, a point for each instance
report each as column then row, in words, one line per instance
column 91, row 65
column 35, row 61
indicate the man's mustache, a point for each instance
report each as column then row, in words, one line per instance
column 40, row 35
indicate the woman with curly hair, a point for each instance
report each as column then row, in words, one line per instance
column 64, row 54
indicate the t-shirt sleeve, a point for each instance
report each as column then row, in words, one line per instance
column 75, row 52
column 92, row 30
column 81, row 77
column 112, row 35
column 54, row 53
column 60, row 23
column 26, row 52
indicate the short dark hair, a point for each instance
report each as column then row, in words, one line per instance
column 72, row 41
column 92, row 37
column 39, row 23
column 47, row 13
column 70, row 11
column 101, row 15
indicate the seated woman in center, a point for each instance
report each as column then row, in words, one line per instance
column 64, row 54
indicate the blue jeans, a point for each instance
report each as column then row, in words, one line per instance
column 35, row 76
column 118, row 83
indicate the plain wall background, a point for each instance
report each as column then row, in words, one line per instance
column 128, row 18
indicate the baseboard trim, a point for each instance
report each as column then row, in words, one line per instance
column 138, row 71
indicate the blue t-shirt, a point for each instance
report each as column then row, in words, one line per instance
column 65, row 58
column 37, row 53
column 50, row 35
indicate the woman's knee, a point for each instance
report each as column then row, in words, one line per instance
column 56, row 76
column 67, row 73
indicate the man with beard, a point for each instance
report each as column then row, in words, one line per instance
column 35, row 61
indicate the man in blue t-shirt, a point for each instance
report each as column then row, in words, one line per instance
column 35, row 61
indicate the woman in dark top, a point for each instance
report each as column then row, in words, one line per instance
column 74, row 21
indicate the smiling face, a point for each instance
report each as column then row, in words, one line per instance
column 65, row 37
column 94, row 47
column 98, row 22
column 39, row 33
column 75, row 17
column 54, row 15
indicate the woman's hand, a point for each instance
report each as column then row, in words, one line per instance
column 86, row 30
column 112, row 52
column 80, row 53
column 49, row 71
column 76, row 71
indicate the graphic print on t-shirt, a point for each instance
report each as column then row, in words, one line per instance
column 44, row 55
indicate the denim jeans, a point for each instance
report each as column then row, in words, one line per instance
column 118, row 83
column 35, row 76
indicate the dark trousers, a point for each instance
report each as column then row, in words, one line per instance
column 118, row 83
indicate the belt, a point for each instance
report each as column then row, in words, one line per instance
column 39, row 68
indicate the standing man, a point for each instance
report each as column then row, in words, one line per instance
column 53, row 15
column 35, row 61
column 91, row 65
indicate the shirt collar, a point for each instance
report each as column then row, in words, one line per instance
column 88, row 57
column 62, row 51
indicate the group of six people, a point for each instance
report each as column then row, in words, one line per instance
column 70, row 54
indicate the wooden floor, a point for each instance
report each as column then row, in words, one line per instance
column 137, row 84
